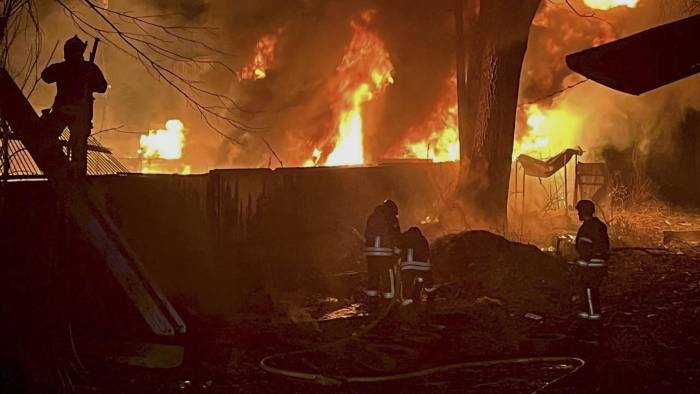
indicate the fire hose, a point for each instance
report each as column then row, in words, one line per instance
column 337, row 380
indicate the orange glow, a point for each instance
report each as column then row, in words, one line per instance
column 437, row 138
column 608, row 4
column 549, row 131
column 263, row 60
column 363, row 73
column 164, row 144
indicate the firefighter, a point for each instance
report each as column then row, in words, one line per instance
column 381, row 247
column 76, row 80
column 416, row 271
column 593, row 248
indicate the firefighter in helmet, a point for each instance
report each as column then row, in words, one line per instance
column 416, row 270
column 382, row 235
column 593, row 248
column 76, row 80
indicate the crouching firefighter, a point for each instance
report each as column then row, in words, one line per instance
column 76, row 80
column 381, row 248
column 416, row 271
column 593, row 247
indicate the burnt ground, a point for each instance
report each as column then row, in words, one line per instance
column 648, row 341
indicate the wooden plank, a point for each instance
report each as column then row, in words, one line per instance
column 94, row 223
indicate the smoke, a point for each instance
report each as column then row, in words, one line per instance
column 610, row 126
column 292, row 104
column 606, row 119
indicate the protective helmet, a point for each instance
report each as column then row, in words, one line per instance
column 391, row 207
column 74, row 48
column 585, row 206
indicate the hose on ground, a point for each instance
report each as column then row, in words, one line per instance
column 337, row 380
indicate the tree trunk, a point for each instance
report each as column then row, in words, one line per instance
column 498, row 44
column 461, row 66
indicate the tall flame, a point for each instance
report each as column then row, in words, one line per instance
column 608, row 4
column 263, row 59
column 363, row 73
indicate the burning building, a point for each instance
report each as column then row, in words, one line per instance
column 292, row 122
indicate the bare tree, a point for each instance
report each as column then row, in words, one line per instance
column 149, row 39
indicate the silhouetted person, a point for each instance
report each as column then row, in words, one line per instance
column 382, row 235
column 416, row 270
column 593, row 247
column 76, row 81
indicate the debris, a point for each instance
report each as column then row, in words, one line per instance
column 533, row 316
column 521, row 276
column 681, row 236
column 184, row 385
column 488, row 300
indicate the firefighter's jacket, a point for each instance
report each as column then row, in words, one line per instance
column 75, row 79
column 415, row 251
column 592, row 242
column 382, row 233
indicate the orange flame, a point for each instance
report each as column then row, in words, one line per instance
column 263, row 60
column 549, row 131
column 608, row 4
column 442, row 141
column 166, row 144
column 363, row 73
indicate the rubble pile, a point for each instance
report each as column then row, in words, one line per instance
column 516, row 275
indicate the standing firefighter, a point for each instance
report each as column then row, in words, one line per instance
column 416, row 271
column 76, row 81
column 381, row 245
column 593, row 247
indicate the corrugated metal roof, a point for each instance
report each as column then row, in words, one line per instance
column 100, row 160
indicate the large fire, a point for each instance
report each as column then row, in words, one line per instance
column 363, row 73
column 165, row 144
column 608, row 4
column 549, row 131
column 438, row 138
column 263, row 60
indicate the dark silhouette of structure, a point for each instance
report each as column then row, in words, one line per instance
column 76, row 80
column 643, row 61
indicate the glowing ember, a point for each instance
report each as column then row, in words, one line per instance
column 263, row 60
column 608, row 4
column 549, row 131
column 442, row 141
column 363, row 73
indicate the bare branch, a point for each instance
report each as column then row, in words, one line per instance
column 152, row 44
